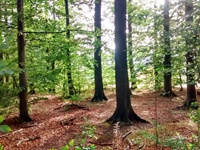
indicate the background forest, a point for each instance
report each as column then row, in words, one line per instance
column 48, row 47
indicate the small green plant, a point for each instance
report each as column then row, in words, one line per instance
column 81, row 143
column 4, row 128
column 178, row 142
column 195, row 114
column 1, row 147
column 69, row 146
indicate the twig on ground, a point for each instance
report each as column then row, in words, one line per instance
column 29, row 125
column 17, row 131
column 141, row 146
column 125, row 135
column 28, row 139
column 4, row 135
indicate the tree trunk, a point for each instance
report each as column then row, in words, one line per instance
column 124, row 112
column 71, row 88
column 156, row 59
column 167, row 53
column 130, row 48
column 21, row 61
column 1, row 54
column 1, row 77
column 99, row 93
column 190, row 45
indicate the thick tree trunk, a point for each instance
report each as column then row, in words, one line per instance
column 21, row 61
column 191, row 90
column 71, row 88
column 167, row 53
column 124, row 112
column 99, row 93
column 130, row 48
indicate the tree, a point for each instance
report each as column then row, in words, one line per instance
column 21, row 62
column 156, row 59
column 130, row 48
column 190, row 46
column 71, row 88
column 99, row 93
column 124, row 111
column 167, row 53
column 1, row 54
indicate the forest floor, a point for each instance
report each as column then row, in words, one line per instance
column 55, row 125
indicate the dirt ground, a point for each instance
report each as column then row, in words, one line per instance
column 54, row 126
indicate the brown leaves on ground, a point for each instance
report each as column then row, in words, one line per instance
column 54, row 125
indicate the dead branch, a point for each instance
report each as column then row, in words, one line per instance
column 29, row 125
column 4, row 135
column 17, row 131
column 125, row 135
column 28, row 139
column 141, row 146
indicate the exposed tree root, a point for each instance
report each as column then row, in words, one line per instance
column 68, row 106
column 99, row 98
column 168, row 94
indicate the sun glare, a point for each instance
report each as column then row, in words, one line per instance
column 160, row 2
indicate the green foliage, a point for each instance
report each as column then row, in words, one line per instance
column 4, row 128
column 165, row 139
column 81, row 143
column 195, row 114
column 1, row 147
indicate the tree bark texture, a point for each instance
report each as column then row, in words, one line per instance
column 71, row 88
column 190, row 45
column 99, row 93
column 23, row 108
column 123, row 112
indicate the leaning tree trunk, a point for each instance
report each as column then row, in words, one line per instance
column 167, row 53
column 99, row 93
column 190, row 45
column 23, row 108
column 71, row 88
column 123, row 112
